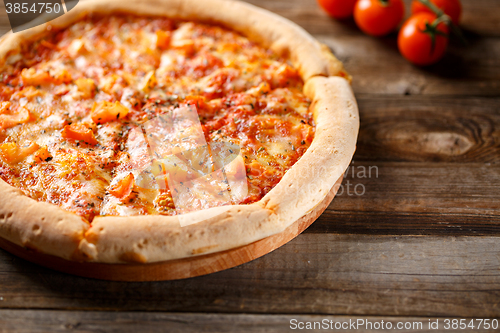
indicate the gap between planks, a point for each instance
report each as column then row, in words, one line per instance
column 315, row 273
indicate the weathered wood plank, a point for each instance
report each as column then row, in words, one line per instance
column 394, row 223
column 378, row 68
column 343, row 274
column 4, row 20
column 438, row 129
column 314, row 274
column 20, row 321
column 415, row 198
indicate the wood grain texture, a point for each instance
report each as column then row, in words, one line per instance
column 20, row 321
column 411, row 198
column 313, row 274
column 421, row 188
column 429, row 129
column 432, row 133
column 378, row 68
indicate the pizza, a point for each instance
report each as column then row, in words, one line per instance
column 146, row 131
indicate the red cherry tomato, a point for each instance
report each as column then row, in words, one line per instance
column 452, row 8
column 378, row 17
column 415, row 39
column 339, row 9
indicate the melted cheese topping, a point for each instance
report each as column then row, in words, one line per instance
column 76, row 106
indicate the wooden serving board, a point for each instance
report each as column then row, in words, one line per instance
column 179, row 268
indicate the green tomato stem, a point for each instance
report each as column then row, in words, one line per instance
column 446, row 19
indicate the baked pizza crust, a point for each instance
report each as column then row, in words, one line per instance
column 287, row 39
column 39, row 225
column 113, row 239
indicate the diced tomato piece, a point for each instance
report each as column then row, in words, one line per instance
column 62, row 76
column 104, row 112
column 186, row 46
column 36, row 77
column 86, row 86
column 79, row 132
column 123, row 188
column 31, row 76
column 11, row 120
column 12, row 153
column 43, row 155
column 162, row 39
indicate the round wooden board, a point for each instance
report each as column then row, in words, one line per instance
column 175, row 269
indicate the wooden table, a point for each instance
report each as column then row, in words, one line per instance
column 421, row 242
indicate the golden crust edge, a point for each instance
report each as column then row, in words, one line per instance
column 269, row 216
column 39, row 226
column 284, row 37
